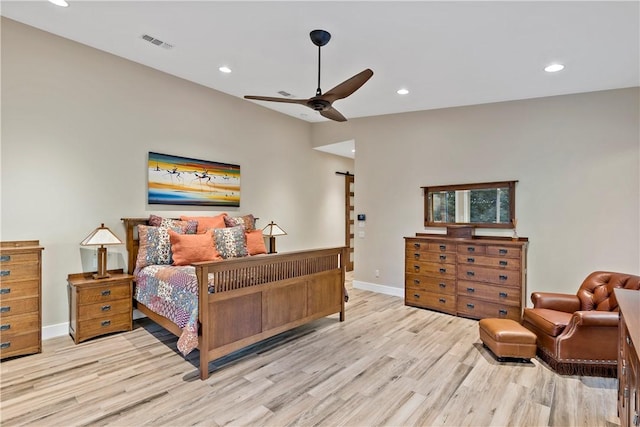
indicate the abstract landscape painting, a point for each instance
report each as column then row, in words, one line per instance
column 175, row 180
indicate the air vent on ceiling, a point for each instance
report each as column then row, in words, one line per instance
column 156, row 42
column 284, row 93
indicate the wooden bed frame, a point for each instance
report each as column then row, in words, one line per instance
column 293, row 289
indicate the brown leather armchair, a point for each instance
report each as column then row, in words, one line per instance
column 578, row 334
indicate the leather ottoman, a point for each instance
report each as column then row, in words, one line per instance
column 507, row 338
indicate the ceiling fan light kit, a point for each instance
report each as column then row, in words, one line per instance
column 323, row 103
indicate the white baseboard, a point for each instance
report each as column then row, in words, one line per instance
column 54, row 331
column 381, row 289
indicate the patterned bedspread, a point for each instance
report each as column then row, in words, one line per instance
column 172, row 292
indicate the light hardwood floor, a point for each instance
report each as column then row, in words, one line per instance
column 387, row 364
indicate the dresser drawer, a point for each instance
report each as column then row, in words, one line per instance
column 18, row 324
column 478, row 309
column 445, row 303
column 13, row 272
column 104, row 325
column 489, row 292
column 414, row 245
column 19, row 306
column 11, row 291
column 488, row 261
column 18, row 344
column 102, row 309
column 442, row 285
column 110, row 292
column 441, row 257
column 503, row 251
column 431, row 268
column 490, row 275
column 471, row 249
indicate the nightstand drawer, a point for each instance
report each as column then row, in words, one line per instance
column 104, row 293
column 14, row 325
column 18, row 344
column 13, row 272
column 104, row 325
column 11, row 291
column 19, row 306
column 103, row 309
column 7, row 260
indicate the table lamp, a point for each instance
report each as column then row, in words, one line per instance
column 271, row 231
column 101, row 236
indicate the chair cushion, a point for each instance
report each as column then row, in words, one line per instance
column 551, row 322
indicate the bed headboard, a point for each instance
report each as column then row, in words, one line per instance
column 131, row 227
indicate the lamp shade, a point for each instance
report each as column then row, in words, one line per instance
column 101, row 236
column 272, row 229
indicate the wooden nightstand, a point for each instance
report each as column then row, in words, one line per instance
column 99, row 306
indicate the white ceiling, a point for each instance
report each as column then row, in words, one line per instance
column 446, row 53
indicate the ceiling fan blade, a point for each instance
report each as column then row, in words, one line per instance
column 274, row 99
column 333, row 114
column 349, row 86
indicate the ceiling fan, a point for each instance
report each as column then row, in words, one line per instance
column 323, row 102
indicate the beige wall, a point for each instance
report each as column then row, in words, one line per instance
column 576, row 158
column 78, row 123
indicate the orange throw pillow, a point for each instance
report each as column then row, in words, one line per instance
column 190, row 248
column 206, row 222
column 255, row 243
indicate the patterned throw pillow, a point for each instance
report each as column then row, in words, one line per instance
column 230, row 242
column 248, row 221
column 188, row 227
column 154, row 246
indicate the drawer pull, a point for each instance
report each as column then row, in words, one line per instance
column 502, row 312
column 5, row 345
column 105, row 308
column 106, row 293
column 470, row 273
column 442, row 285
column 4, row 258
column 4, row 273
column 442, row 300
column 416, row 281
column 503, row 263
column 443, row 247
column 5, row 291
column 472, row 260
column 5, row 327
column 416, row 268
column 628, row 339
column 503, row 277
column 416, row 295
column 503, row 251
column 416, row 245
column 502, row 294
column 105, row 323
column 469, row 305
column 443, row 270
column 471, row 290
column 443, row 257
column 416, row 255
column 5, row 309
column 471, row 249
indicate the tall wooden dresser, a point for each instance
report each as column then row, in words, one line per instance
column 20, row 298
column 628, row 360
column 475, row 277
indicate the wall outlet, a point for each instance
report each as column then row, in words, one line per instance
column 377, row 273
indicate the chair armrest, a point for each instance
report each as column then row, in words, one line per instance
column 596, row 318
column 553, row 301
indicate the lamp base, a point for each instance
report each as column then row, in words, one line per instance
column 102, row 264
column 98, row 276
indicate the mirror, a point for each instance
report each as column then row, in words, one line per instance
column 490, row 204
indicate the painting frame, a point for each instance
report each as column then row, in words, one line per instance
column 177, row 180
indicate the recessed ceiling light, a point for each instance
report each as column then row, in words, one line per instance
column 224, row 69
column 553, row 68
column 61, row 3
column 353, row 151
column 402, row 91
